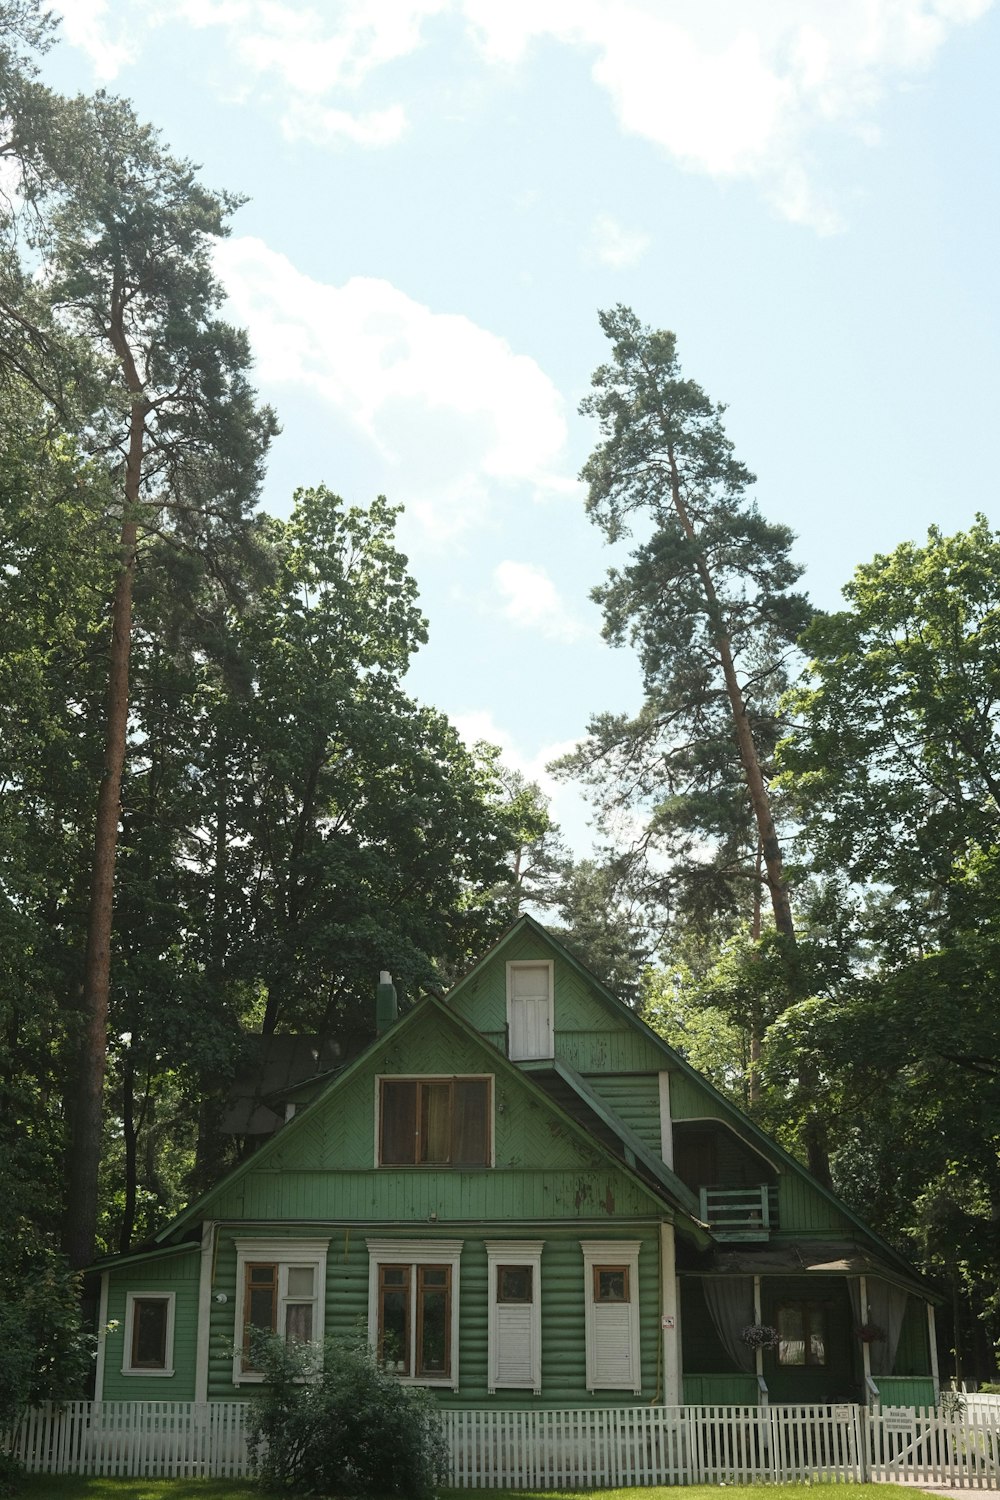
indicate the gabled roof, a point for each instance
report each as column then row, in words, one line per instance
column 672, row 1204
column 741, row 1123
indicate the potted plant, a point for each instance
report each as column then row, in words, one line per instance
column 760, row 1336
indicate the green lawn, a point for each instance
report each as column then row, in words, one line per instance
column 72, row 1487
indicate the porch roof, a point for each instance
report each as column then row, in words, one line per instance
column 802, row 1258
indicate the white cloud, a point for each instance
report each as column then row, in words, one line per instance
column 567, row 805
column 84, row 24
column 734, row 89
column 531, row 601
column 455, row 414
column 324, row 127
column 614, row 245
column 737, row 88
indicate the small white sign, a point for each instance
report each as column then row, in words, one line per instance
column 898, row 1419
column 667, row 1321
column 841, row 1413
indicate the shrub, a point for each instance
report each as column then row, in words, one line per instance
column 347, row 1428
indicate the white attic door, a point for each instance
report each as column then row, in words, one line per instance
column 529, row 1011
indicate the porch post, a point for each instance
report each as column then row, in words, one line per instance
column 932, row 1335
column 866, row 1353
column 758, row 1317
column 670, row 1319
column 205, row 1271
column 102, row 1336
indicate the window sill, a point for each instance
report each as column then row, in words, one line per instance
column 155, row 1374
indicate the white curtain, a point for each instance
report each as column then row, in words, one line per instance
column 730, row 1304
column 886, row 1309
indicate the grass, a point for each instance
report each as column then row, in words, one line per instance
column 77, row 1487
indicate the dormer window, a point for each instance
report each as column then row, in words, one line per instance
column 530, row 1030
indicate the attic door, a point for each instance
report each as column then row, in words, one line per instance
column 529, row 1011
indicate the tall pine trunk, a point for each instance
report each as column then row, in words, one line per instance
column 87, row 1114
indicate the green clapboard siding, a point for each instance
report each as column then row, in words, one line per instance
column 720, row 1390
column 177, row 1274
column 906, row 1391
column 690, row 1100
column 635, row 1098
column 563, row 1331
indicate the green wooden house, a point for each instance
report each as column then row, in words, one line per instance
column 525, row 1198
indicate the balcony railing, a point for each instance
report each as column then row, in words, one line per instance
column 741, row 1213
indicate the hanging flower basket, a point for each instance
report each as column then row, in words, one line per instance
column 871, row 1333
column 760, row 1336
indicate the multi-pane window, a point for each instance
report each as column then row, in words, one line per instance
column 278, row 1298
column 414, row 1320
column 434, row 1122
column 149, row 1326
column 413, row 1308
column 801, row 1334
column 279, row 1291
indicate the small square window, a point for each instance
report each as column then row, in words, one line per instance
column 514, row 1284
column 611, row 1284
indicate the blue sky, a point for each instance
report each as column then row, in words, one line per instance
column 443, row 193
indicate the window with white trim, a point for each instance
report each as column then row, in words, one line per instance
column 149, row 1333
column 514, row 1269
column 280, row 1289
column 413, row 1308
column 530, row 1030
column 611, row 1305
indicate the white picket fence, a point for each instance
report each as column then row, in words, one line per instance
column 493, row 1449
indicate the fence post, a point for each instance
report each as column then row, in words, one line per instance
column 863, row 1417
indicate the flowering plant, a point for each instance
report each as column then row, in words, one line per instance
column 871, row 1333
column 760, row 1336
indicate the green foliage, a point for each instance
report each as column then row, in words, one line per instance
column 45, row 1353
column 707, row 600
column 894, row 763
column 348, row 1429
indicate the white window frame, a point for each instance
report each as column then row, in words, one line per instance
column 612, row 1253
column 156, row 1294
column 284, row 1254
column 531, row 963
column 414, row 1253
column 515, row 1253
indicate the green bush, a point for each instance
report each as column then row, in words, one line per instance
column 44, row 1353
column 347, row 1428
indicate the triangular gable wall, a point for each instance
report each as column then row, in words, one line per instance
column 321, row 1166
column 480, row 997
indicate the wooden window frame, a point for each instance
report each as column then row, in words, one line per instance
column 421, row 1083
column 807, row 1308
column 617, row 1266
column 416, row 1257
column 284, row 1255
column 132, row 1303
